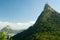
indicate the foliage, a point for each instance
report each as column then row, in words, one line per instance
column 3, row 36
column 47, row 27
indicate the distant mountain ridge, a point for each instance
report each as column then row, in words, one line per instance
column 9, row 31
column 47, row 27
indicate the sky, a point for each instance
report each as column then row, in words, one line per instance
column 23, row 13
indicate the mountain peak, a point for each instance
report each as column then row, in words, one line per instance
column 47, row 27
column 48, row 7
column 8, row 27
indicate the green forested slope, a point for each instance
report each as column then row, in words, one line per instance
column 3, row 36
column 47, row 27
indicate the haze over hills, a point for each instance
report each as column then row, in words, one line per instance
column 9, row 31
column 19, row 25
column 47, row 27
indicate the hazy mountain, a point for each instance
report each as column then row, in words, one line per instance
column 9, row 31
column 47, row 27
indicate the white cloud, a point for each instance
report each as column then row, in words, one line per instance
column 19, row 25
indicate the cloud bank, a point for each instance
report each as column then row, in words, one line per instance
column 16, row 26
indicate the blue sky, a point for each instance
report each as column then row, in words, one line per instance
column 19, row 10
column 24, row 10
